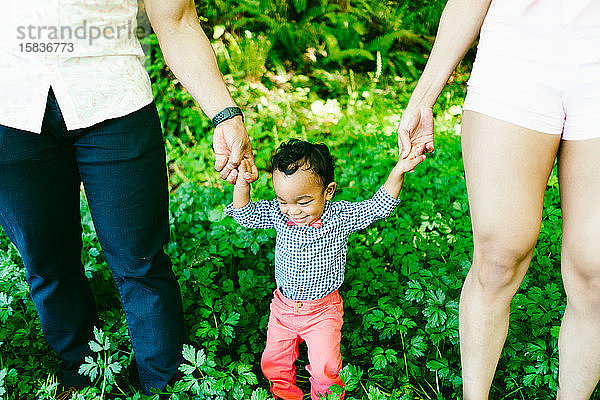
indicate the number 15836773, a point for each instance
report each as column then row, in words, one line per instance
column 50, row 47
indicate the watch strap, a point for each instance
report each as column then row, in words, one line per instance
column 227, row 113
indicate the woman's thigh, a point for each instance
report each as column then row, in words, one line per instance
column 506, row 168
column 579, row 180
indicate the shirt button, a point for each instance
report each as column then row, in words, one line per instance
column 299, row 304
column 304, row 249
column 303, row 271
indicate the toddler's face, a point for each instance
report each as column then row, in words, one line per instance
column 301, row 195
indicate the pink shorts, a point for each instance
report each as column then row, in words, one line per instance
column 541, row 74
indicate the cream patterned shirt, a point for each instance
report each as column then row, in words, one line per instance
column 87, row 50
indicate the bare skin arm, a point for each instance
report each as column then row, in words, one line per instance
column 392, row 185
column 395, row 179
column 459, row 26
column 190, row 56
column 241, row 189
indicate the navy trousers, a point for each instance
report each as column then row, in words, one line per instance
column 121, row 163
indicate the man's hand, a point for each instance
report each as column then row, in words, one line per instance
column 415, row 132
column 231, row 145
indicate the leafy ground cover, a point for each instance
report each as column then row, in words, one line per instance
column 404, row 273
column 400, row 338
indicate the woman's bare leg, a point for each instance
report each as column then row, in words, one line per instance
column 506, row 168
column 579, row 340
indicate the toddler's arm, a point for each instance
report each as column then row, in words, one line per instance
column 241, row 189
column 246, row 212
column 359, row 215
column 393, row 183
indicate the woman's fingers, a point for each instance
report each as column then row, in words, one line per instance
column 417, row 160
column 403, row 142
column 408, row 130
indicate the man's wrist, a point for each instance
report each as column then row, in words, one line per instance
column 226, row 114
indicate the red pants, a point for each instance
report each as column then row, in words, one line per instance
column 318, row 322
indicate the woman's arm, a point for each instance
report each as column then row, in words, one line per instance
column 459, row 26
column 190, row 56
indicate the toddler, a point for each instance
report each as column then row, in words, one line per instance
column 310, row 257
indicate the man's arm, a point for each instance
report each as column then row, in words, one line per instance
column 190, row 56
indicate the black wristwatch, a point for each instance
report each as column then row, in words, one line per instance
column 226, row 114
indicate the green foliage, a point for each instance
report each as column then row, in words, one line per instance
column 106, row 364
column 313, row 34
column 203, row 380
column 403, row 277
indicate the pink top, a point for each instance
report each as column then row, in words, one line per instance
column 579, row 13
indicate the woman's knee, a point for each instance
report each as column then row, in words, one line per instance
column 498, row 264
column 581, row 273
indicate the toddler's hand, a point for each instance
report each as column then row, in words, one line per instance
column 248, row 172
column 408, row 164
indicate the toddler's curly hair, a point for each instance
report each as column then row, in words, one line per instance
column 296, row 153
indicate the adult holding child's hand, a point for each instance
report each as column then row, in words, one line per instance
column 198, row 72
column 533, row 96
column 415, row 131
column 232, row 145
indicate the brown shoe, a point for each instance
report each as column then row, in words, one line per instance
column 66, row 394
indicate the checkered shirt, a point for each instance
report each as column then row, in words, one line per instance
column 310, row 262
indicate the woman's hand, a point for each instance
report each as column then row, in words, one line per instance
column 415, row 132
